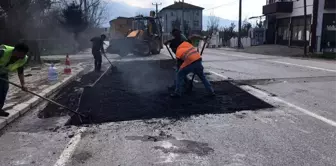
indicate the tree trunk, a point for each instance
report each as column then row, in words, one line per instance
column 34, row 55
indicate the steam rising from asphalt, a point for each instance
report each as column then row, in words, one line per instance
column 143, row 78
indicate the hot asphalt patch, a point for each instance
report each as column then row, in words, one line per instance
column 68, row 96
column 138, row 91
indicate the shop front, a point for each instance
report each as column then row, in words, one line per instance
column 290, row 31
column 328, row 43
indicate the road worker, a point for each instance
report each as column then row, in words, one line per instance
column 11, row 59
column 98, row 50
column 190, row 61
column 173, row 44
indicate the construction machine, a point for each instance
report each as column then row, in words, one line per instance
column 143, row 38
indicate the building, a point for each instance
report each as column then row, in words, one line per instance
column 285, row 23
column 172, row 16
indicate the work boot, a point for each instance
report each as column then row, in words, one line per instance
column 3, row 113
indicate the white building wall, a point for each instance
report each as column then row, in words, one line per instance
column 189, row 15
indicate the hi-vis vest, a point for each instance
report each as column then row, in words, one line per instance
column 187, row 53
column 5, row 58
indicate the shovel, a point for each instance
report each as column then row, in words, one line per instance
column 171, row 55
column 91, row 85
column 193, row 77
column 44, row 98
column 108, row 60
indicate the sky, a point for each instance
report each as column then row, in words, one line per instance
column 227, row 9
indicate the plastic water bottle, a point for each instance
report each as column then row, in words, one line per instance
column 52, row 74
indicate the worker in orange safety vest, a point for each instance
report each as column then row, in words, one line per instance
column 191, row 63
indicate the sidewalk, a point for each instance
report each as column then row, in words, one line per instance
column 270, row 49
column 19, row 102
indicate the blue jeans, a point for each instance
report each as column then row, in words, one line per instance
column 184, row 81
column 196, row 68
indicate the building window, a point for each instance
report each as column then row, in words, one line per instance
column 298, row 28
column 197, row 13
column 196, row 23
column 283, row 29
column 171, row 13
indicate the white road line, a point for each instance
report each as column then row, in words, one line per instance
column 217, row 74
column 307, row 112
column 316, row 116
column 280, row 62
column 190, row 77
column 70, row 148
column 166, row 54
column 235, row 55
column 310, row 67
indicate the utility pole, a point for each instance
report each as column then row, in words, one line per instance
column 305, row 27
column 182, row 17
column 156, row 7
column 239, row 24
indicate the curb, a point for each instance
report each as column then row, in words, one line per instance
column 22, row 108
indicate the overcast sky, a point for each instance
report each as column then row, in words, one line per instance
column 229, row 10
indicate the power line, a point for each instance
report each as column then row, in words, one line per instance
column 230, row 3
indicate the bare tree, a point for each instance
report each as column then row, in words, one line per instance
column 94, row 10
column 213, row 24
column 22, row 20
column 36, row 22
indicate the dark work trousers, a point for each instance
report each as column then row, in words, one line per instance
column 197, row 68
column 97, row 59
column 3, row 90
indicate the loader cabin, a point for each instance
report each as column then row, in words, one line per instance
column 146, row 24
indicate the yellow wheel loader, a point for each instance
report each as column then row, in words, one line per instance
column 144, row 38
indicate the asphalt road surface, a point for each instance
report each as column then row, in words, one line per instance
column 300, row 128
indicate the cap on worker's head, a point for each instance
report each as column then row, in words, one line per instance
column 21, row 47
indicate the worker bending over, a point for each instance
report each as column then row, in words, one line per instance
column 189, row 61
column 11, row 59
column 98, row 50
column 173, row 44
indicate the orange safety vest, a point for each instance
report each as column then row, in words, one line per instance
column 187, row 53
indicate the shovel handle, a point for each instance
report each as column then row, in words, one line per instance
column 170, row 53
column 108, row 59
column 33, row 93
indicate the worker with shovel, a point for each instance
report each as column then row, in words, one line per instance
column 189, row 61
column 98, row 50
column 11, row 59
column 173, row 44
